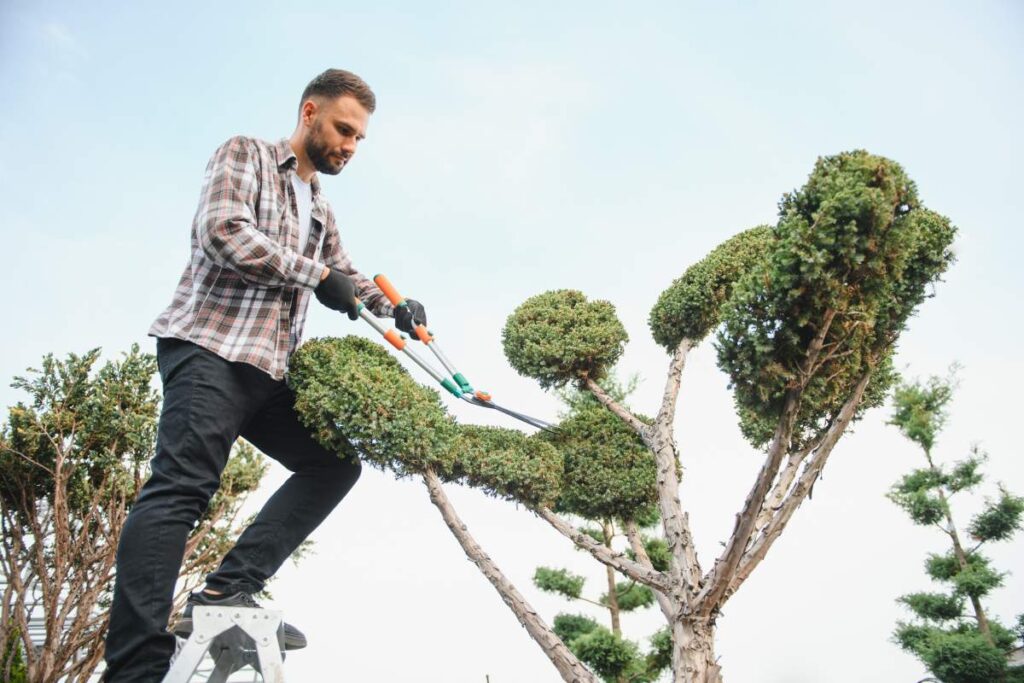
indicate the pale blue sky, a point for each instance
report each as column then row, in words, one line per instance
column 518, row 148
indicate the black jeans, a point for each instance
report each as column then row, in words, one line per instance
column 208, row 403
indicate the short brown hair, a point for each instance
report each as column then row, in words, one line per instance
column 334, row 83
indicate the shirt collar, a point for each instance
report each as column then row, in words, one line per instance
column 286, row 159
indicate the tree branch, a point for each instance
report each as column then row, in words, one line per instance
column 718, row 580
column 799, row 492
column 605, row 555
column 667, row 412
column 570, row 668
column 610, row 403
column 636, row 542
column 782, row 485
column 684, row 567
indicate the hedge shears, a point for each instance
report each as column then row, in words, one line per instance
column 454, row 382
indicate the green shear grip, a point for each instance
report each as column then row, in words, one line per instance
column 450, row 386
column 463, row 383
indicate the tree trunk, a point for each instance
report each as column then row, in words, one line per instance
column 613, row 596
column 961, row 556
column 693, row 655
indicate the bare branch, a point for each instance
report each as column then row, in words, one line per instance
column 666, row 414
column 605, row 555
column 684, row 567
column 718, row 580
column 610, row 403
column 782, row 484
column 636, row 542
column 571, row 669
column 812, row 470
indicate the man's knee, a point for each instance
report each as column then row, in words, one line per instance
column 179, row 500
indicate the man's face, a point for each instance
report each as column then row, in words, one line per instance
column 335, row 128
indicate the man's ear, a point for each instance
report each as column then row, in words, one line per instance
column 309, row 111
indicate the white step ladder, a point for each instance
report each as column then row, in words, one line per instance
column 235, row 637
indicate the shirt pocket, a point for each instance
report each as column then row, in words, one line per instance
column 274, row 214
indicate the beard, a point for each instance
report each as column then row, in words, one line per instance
column 320, row 156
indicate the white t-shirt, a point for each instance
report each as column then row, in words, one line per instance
column 304, row 199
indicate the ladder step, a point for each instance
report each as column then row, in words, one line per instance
column 235, row 637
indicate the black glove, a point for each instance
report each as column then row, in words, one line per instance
column 410, row 315
column 337, row 292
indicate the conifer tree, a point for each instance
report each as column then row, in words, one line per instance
column 952, row 632
column 72, row 459
column 808, row 313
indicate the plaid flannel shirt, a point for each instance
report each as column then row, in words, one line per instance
column 246, row 288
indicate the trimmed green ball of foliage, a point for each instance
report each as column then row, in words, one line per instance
column 999, row 520
column 853, row 256
column 559, row 336
column 631, row 596
column 508, row 464
column 657, row 551
column 609, row 473
column 935, row 606
column 357, row 400
column 560, row 581
column 964, row 658
column 569, row 627
column 689, row 308
column 607, row 654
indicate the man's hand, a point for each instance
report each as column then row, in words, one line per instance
column 337, row 292
column 410, row 315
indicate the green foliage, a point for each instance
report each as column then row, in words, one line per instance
column 559, row 581
column 647, row 517
column 507, row 464
column 853, row 243
column 966, row 474
column 557, row 337
column 610, row 656
column 920, row 409
column 958, row 655
column 999, row 520
column 977, row 580
column 934, row 606
column 609, row 472
column 631, row 596
column 949, row 641
column 690, row 307
column 575, row 398
column 913, row 637
column 569, row 627
column 660, row 656
column 923, row 508
column 356, row 399
column 657, row 551
column 85, row 435
column 593, row 532
column 920, row 480
column 103, row 423
column 963, row 658
column 12, row 659
column 945, row 567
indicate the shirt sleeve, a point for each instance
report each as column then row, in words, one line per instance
column 226, row 223
column 336, row 256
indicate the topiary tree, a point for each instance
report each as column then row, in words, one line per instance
column 808, row 312
column 959, row 644
column 72, row 459
column 360, row 402
column 608, row 476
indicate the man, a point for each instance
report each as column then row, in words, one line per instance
column 263, row 239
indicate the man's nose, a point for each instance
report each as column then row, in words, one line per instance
column 349, row 144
